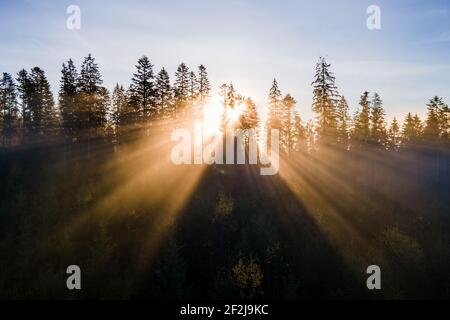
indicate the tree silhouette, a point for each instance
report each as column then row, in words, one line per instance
column 141, row 91
column 164, row 95
column 412, row 130
column 434, row 126
column 8, row 108
column 361, row 126
column 181, row 89
column 204, row 86
column 343, row 122
column 68, row 94
column 325, row 99
column 378, row 131
column 394, row 136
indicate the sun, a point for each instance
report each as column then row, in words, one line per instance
column 212, row 117
column 214, row 114
column 234, row 114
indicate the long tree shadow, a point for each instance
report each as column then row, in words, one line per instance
column 236, row 214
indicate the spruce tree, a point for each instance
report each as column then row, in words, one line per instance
column 101, row 110
column 231, row 101
column 90, row 79
column 203, row 84
column 163, row 95
column 394, row 135
column 93, row 101
column 124, row 114
column 299, row 135
column 121, row 114
column 68, row 93
column 275, row 112
column 444, row 122
column 378, row 131
column 8, row 108
column 25, row 90
column 287, row 123
column 433, row 124
column 411, row 130
column 343, row 119
column 141, row 90
column 310, row 132
column 42, row 105
column 181, row 89
column 418, row 127
column 193, row 87
column 361, row 125
column 325, row 101
column 118, row 105
column 231, row 96
column 249, row 119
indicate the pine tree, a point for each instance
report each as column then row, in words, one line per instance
column 181, row 89
column 193, row 87
column 275, row 112
column 68, row 93
column 433, row 124
column 418, row 126
column 25, row 89
column 101, row 110
column 378, row 131
column 361, row 126
column 163, row 95
column 90, row 80
column 249, row 119
column 299, row 134
column 343, row 119
column 325, row 101
column 411, row 131
column 394, row 135
column 141, row 90
column 287, row 123
column 231, row 96
column 93, row 101
column 8, row 108
column 118, row 104
column 310, row 133
column 230, row 100
column 42, row 105
column 444, row 122
column 121, row 114
column 203, row 84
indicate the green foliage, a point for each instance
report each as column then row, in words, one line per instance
column 224, row 205
column 247, row 276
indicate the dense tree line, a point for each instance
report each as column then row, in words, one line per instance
column 87, row 110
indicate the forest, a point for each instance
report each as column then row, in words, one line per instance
column 86, row 179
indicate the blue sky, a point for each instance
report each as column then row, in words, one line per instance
column 247, row 42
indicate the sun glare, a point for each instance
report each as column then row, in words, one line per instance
column 212, row 115
column 233, row 114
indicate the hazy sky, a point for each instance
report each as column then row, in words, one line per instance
column 247, row 42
